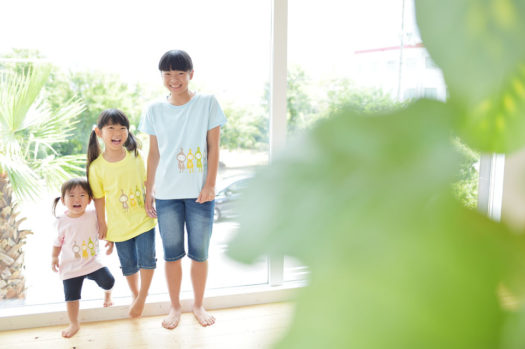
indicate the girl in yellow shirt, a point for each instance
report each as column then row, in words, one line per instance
column 117, row 178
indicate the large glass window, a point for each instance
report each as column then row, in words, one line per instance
column 367, row 54
column 107, row 57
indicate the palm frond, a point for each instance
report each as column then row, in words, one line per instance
column 29, row 131
column 50, row 127
column 18, row 93
column 55, row 170
column 24, row 181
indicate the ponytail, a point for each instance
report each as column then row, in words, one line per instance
column 93, row 151
column 132, row 144
column 55, row 203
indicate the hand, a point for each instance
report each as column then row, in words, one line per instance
column 54, row 264
column 109, row 245
column 207, row 194
column 102, row 231
column 150, row 208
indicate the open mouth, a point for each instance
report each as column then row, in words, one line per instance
column 77, row 206
column 116, row 141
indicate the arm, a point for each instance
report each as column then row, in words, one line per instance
column 212, row 139
column 54, row 258
column 153, row 163
column 100, row 208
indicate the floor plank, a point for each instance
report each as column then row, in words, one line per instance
column 246, row 327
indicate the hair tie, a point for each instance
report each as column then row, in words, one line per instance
column 94, row 127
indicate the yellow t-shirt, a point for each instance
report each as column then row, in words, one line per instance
column 121, row 183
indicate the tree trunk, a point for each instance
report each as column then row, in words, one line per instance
column 12, row 239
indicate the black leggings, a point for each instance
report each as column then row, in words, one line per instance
column 73, row 286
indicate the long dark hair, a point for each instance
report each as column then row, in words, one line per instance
column 70, row 185
column 110, row 117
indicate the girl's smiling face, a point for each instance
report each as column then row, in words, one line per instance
column 76, row 201
column 177, row 81
column 114, row 136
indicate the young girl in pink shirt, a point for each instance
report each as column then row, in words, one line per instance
column 77, row 245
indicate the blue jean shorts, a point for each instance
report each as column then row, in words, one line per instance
column 173, row 215
column 137, row 253
column 73, row 286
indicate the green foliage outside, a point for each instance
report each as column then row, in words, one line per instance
column 466, row 186
column 30, row 131
column 98, row 91
column 366, row 201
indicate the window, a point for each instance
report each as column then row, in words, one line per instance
column 114, row 65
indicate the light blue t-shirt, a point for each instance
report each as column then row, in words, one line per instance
column 181, row 135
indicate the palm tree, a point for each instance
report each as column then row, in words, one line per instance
column 29, row 131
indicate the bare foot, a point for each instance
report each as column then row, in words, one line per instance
column 173, row 318
column 107, row 299
column 137, row 307
column 203, row 317
column 71, row 330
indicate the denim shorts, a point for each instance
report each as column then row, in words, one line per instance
column 73, row 286
column 137, row 253
column 173, row 215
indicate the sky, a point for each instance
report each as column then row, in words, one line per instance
column 229, row 40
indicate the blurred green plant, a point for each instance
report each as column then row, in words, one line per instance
column 366, row 201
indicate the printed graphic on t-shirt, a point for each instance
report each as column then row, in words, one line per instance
column 190, row 162
column 135, row 198
column 186, row 161
column 86, row 249
column 181, row 157
column 76, row 250
column 123, row 200
column 138, row 197
column 198, row 156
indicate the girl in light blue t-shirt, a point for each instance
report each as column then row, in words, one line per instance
column 183, row 160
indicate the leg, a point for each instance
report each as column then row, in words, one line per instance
column 127, row 254
column 133, row 283
column 174, row 280
column 105, row 280
column 145, row 245
column 199, row 274
column 170, row 215
column 72, row 313
column 108, row 302
column 137, row 307
column 72, row 292
column 199, row 222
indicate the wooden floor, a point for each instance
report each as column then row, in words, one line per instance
column 246, row 327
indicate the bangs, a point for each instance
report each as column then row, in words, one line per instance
column 175, row 60
column 74, row 183
column 113, row 117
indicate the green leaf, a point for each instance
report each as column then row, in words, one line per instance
column 478, row 44
column 395, row 261
column 496, row 124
